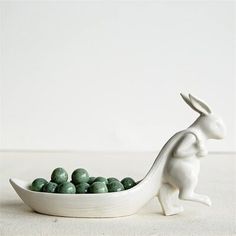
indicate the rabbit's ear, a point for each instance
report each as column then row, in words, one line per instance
column 199, row 105
column 187, row 100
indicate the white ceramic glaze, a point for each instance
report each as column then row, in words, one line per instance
column 173, row 174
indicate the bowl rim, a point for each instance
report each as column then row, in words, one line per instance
column 20, row 183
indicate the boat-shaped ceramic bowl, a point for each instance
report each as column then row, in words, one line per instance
column 113, row 204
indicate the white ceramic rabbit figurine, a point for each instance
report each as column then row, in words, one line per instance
column 180, row 174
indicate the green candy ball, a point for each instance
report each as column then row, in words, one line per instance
column 82, row 188
column 101, row 179
column 37, row 184
column 98, row 187
column 91, row 180
column 59, row 176
column 66, row 187
column 128, row 182
column 115, row 186
column 50, row 187
column 111, row 179
column 80, row 176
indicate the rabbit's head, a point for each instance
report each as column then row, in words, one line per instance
column 210, row 124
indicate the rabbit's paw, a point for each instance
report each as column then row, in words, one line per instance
column 205, row 200
column 173, row 210
column 202, row 150
column 202, row 153
column 208, row 201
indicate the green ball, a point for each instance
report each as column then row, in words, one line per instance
column 111, row 179
column 80, row 176
column 91, row 180
column 98, row 187
column 50, row 187
column 115, row 186
column 37, row 184
column 128, row 182
column 66, row 187
column 59, row 176
column 82, row 188
column 101, row 179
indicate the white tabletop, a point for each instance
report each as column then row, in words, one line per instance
column 217, row 179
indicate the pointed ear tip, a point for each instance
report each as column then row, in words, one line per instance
column 191, row 97
column 182, row 94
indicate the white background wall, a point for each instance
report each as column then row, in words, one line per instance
column 107, row 75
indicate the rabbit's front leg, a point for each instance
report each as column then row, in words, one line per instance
column 202, row 150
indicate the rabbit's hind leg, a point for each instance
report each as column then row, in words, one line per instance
column 187, row 193
column 166, row 197
column 191, row 196
column 185, row 179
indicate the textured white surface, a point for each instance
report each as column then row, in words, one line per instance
column 216, row 180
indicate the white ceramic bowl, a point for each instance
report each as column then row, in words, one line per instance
column 113, row 204
column 83, row 205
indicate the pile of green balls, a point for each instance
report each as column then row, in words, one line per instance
column 80, row 183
